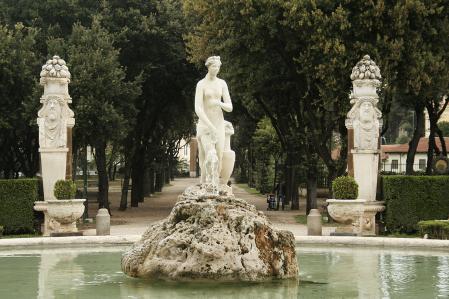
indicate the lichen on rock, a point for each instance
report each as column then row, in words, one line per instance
column 212, row 238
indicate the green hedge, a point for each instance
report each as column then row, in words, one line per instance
column 17, row 198
column 435, row 229
column 410, row 199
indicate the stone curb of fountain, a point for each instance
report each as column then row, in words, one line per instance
column 374, row 242
column 75, row 241
column 300, row 240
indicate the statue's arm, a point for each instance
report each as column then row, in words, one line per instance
column 199, row 107
column 226, row 105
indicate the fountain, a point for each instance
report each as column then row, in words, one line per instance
column 210, row 234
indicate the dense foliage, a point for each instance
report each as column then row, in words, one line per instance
column 17, row 198
column 345, row 187
column 65, row 189
column 434, row 229
column 287, row 64
column 130, row 78
column 410, row 199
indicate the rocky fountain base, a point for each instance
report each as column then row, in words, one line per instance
column 208, row 237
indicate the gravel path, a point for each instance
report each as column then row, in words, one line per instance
column 136, row 220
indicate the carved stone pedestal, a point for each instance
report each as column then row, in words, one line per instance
column 53, row 162
column 365, row 172
column 369, row 217
column 349, row 212
column 49, row 226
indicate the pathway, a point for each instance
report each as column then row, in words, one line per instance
column 135, row 221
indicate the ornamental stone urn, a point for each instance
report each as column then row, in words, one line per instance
column 66, row 212
column 349, row 212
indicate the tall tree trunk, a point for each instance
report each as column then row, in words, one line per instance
column 442, row 141
column 137, row 172
column 125, row 187
column 292, row 184
column 151, row 180
column 167, row 173
column 159, row 179
column 146, row 183
column 430, row 152
column 275, row 177
column 114, row 172
column 103, row 182
column 413, row 144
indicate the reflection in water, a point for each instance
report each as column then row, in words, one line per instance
column 443, row 277
column 338, row 272
column 397, row 273
column 58, row 273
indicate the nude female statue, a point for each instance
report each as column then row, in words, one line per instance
column 211, row 98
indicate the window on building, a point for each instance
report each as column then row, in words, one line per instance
column 422, row 164
column 394, row 165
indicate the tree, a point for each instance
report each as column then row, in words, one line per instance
column 103, row 99
column 424, row 79
column 19, row 69
column 292, row 59
column 268, row 153
column 444, row 127
column 150, row 34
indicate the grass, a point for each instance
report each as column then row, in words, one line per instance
column 249, row 189
column 302, row 219
column 402, row 235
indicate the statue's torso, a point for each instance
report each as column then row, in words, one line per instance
column 213, row 92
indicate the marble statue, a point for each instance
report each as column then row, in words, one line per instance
column 211, row 98
column 210, row 234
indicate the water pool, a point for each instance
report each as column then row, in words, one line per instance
column 337, row 272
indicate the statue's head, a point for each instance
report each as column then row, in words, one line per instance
column 213, row 64
column 366, row 111
column 54, row 109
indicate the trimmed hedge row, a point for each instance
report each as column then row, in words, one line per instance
column 17, row 198
column 410, row 199
column 434, row 229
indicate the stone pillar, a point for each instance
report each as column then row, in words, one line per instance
column 68, row 172
column 193, row 156
column 314, row 226
column 54, row 118
column 365, row 121
column 350, row 148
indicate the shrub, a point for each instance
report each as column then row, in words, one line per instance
column 410, row 199
column 17, row 198
column 345, row 187
column 435, row 229
column 65, row 189
column 1, row 230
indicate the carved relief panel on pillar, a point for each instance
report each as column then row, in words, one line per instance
column 364, row 117
column 55, row 116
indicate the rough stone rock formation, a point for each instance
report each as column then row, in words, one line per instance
column 212, row 238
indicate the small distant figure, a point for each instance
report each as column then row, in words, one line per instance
column 271, row 200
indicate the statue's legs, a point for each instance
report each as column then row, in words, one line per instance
column 201, row 159
column 219, row 146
